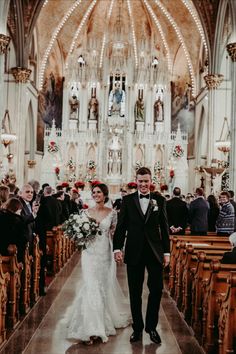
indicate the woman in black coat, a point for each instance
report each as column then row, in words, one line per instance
column 213, row 212
column 12, row 228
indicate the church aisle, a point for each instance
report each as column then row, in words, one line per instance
column 55, row 309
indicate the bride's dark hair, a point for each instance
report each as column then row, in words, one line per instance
column 104, row 190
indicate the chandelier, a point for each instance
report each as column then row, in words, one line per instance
column 7, row 137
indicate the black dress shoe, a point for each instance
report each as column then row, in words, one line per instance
column 154, row 336
column 135, row 337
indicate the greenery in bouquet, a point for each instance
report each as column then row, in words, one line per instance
column 91, row 164
column 81, row 228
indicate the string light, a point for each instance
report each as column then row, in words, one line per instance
column 161, row 34
column 104, row 36
column 133, row 33
column 181, row 39
column 51, row 43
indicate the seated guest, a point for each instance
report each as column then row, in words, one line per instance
column 232, row 201
column 225, row 220
column 13, row 230
column 213, row 212
column 230, row 257
column 177, row 213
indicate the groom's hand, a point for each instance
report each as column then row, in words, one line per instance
column 118, row 255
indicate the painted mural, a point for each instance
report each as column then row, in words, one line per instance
column 183, row 111
column 50, row 106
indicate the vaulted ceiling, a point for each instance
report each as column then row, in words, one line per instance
column 70, row 24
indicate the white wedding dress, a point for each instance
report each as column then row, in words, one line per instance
column 100, row 306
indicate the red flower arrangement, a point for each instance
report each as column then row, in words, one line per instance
column 152, row 187
column 132, row 185
column 172, row 173
column 94, row 183
column 164, row 187
column 85, row 206
column 79, row 184
column 65, row 184
column 57, row 170
column 74, row 190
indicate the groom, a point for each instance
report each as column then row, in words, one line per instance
column 143, row 222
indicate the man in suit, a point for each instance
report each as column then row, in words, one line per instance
column 198, row 214
column 118, row 202
column 143, row 222
column 28, row 212
column 48, row 216
column 177, row 213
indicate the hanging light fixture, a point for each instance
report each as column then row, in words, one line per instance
column 7, row 137
column 223, row 143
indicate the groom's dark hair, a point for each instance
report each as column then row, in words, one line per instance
column 143, row 171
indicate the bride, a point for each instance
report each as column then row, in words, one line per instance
column 100, row 306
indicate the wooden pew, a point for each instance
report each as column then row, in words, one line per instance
column 200, row 276
column 4, row 280
column 215, row 288
column 175, row 252
column 227, row 318
column 54, row 254
column 26, row 279
column 34, row 296
column 184, row 261
column 11, row 266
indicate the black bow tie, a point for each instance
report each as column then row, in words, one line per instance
column 144, row 196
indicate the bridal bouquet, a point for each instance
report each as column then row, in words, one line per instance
column 81, row 228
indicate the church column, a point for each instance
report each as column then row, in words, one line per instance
column 21, row 76
column 213, row 81
column 4, row 42
column 231, row 48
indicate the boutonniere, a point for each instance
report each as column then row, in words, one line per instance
column 154, row 204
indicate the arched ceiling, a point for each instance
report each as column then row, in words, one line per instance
column 160, row 27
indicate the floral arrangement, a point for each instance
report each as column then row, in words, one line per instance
column 64, row 184
column 132, row 185
column 172, row 173
column 157, row 167
column 52, row 147
column 178, row 151
column 138, row 165
column 91, row 164
column 94, row 182
column 164, row 187
column 71, row 164
column 81, row 228
column 79, row 184
column 152, row 187
column 154, row 204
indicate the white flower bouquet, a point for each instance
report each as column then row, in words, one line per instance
column 81, row 228
column 154, row 204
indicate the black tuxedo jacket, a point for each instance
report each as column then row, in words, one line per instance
column 138, row 228
column 29, row 221
column 177, row 213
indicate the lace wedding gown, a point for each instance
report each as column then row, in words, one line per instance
column 100, row 306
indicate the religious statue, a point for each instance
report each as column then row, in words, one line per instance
column 117, row 101
column 93, row 108
column 158, row 110
column 74, row 106
column 139, row 110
